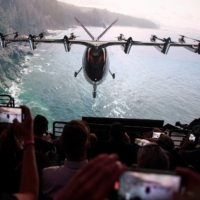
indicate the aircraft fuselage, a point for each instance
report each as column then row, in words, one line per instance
column 95, row 65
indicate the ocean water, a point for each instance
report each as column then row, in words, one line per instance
column 148, row 84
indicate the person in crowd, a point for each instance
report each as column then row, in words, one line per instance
column 192, row 156
column 75, row 139
column 93, row 139
column 40, row 132
column 29, row 184
column 11, row 155
column 116, row 144
column 59, row 150
column 94, row 181
column 152, row 156
column 41, row 138
column 167, row 144
column 175, row 159
column 126, row 138
column 93, row 142
column 167, row 140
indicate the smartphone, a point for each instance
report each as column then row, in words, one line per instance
column 8, row 114
column 156, row 135
column 148, row 185
column 192, row 137
column 141, row 142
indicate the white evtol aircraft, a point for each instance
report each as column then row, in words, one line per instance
column 95, row 58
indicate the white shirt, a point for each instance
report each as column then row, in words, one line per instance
column 54, row 178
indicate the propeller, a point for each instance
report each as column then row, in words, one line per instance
column 154, row 37
column 121, row 37
column 72, row 36
column 41, row 35
column 16, row 35
column 182, row 39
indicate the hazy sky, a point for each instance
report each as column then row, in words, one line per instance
column 178, row 13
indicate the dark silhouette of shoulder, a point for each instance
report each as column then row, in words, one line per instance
column 41, row 145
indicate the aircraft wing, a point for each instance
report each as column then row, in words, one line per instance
column 126, row 44
column 58, row 41
column 103, row 44
column 87, row 43
column 161, row 46
column 67, row 43
column 139, row 43
column 35, row 40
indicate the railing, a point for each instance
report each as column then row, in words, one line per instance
column 177, row 136
column 102, row 130
column 125, row 121
column 7, row 100
column 58, row 128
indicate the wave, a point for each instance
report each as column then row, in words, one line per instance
column 15, row 91
column 34, row 104
column 26, row 71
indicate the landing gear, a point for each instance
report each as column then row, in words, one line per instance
column 94, row 90
column 76, row 73
column 94, row 94
column 113, row 75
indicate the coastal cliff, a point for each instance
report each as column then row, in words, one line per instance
column 12, row 62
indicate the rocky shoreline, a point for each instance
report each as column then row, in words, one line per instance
column 12, row 62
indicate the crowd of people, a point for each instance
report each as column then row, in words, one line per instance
column 77, row 165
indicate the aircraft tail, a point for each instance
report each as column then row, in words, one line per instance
column 84, row 28
column 107, row 29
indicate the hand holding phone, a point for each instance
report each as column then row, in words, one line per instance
column 148, row 185
column 8, row 114
column 156, row 135
column 25, row 127
column 192, row 137
column 141, row 142
column 192, row 185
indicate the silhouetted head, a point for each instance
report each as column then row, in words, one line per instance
column 93, row 139
column 40, row 125
column 166, row 139
column 117, row 131
column 152, row 156
column 75, row 139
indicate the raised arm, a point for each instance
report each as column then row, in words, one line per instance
column 29, row 184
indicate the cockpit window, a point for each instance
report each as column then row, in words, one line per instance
column 96, row 53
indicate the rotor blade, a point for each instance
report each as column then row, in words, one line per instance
column 192, row 39
column 10, row 34
column 84, row 28
column 107, row 29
